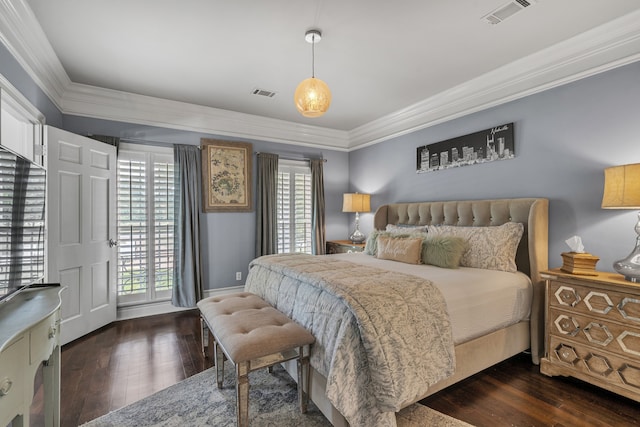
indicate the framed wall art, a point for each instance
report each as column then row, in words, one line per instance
column 226, row 175
column 487, row 145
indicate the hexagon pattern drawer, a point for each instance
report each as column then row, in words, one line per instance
column 592, row 330
column 606, row 303
column 599, row 333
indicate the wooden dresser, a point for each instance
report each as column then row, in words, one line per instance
column 592, row 330
column 343, row 246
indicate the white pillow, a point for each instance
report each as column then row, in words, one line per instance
column 491, row 248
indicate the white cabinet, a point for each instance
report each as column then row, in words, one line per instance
column 29, row 336
column 20, row 126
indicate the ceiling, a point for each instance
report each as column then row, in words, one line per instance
column 378, row 57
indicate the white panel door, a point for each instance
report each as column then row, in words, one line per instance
column 82, row 219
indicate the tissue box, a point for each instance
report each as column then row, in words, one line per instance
column 579, row 263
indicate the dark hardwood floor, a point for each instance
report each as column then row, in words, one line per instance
column 128, row 360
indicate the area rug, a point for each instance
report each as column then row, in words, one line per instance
column 273, row 401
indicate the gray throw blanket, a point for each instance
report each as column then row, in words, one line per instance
column 382, row 338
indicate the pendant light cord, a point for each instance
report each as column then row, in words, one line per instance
column 313, row 56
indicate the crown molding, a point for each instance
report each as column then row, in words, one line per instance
column 603, row 48
column 609, row 46
column 22, row 35
column 19, row 102
column 91, row 101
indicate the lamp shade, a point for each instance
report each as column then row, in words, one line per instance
column 312, row 97
column 622, row 187
column 356, row 202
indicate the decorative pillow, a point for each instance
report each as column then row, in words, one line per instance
column 404, row 250
column 371, row 246
column 444, row 251
column 492, row 248
column 406, row 228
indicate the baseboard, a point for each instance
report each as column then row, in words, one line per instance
column 164, row 307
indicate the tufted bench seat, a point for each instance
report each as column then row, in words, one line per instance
column 252, row 334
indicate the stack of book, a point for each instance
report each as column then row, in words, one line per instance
column 579, row 263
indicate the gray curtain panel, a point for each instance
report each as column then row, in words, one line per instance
column 318, row 238
column 187, row 276
column 266, row 199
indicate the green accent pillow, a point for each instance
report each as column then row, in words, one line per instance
column 444, row 251
column 371, row 247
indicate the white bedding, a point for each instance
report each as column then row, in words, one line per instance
column 479, row 301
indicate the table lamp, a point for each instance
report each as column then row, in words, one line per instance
column 356, row 202
column 622, row 191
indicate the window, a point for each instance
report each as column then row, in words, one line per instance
column 145, row 223
column 294, row 207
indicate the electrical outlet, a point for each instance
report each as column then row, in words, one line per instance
column 238, row 275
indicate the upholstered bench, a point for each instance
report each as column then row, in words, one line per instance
column 251, row 334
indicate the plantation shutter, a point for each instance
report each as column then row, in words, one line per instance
column 145, row 224
column 132, row 224
column 163, row 224
column 294, row 207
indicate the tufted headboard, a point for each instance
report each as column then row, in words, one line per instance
column 532, row 254
column 533, row 251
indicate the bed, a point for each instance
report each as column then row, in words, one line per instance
column 363, row 371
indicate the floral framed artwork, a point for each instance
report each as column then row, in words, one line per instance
column 226, row 176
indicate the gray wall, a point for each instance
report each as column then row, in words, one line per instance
column 230, row 236
column 564, row 138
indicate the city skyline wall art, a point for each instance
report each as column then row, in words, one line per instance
column 496, row 143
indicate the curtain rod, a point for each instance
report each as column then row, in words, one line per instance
column 300, row 159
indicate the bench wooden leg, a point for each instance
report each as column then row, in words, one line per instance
column 303, row 379
column 242, row 394
column 219, row 363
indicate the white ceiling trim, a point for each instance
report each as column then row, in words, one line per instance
column 21, row 33
column 11, row 95
column 611, row 45
column 91, row 101
column 600, row 49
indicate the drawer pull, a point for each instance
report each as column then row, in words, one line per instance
column 567, row 296
column 567, row 325
column 5, row 386
column 52, row 332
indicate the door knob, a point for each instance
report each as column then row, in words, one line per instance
column 113, row 243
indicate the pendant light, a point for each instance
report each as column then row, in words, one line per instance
column 312, row 96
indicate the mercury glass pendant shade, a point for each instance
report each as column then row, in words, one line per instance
column 312, row 97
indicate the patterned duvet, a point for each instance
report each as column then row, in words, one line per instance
column 382, row 337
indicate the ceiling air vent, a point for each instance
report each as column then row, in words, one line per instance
column 263, row 92
column 507, row 10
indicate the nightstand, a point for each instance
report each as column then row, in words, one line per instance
column 343, row 247
column 592, row 330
